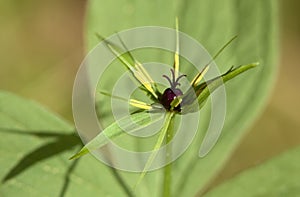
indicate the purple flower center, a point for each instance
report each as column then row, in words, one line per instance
column 171, row 93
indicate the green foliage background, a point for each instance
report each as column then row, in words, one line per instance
column 41, row 50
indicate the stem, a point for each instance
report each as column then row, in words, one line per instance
column 168, row 168
column 160, row 140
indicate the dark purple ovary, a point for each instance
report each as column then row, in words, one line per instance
column 168, row 96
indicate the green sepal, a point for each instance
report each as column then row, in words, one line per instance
column 203, row 90
column 116, row 129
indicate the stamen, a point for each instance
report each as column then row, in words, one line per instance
column 180, row 78
column 165, row 76
column 173, row 82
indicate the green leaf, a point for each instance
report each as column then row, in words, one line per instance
column 212, row 23
column 31, row 140
column 35, row 146
column 247, row 93
column 127, row 123
column 31, row 136
column 278, row 176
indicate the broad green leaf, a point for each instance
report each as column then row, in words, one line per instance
column 255, row 24
column 35, row 146
column 212, row 23
column 278, row 176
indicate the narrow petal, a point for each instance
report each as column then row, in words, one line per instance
column 132, row 102
column 176, row 56
column 136, row 68
column 140, row 104
column 145, row 78
column 200, row 76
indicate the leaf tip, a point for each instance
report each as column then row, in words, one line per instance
column 82, row 152
column 255, row 64
column 101, row 38
column 73, row 157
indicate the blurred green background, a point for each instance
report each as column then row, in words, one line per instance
column 42, row 47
